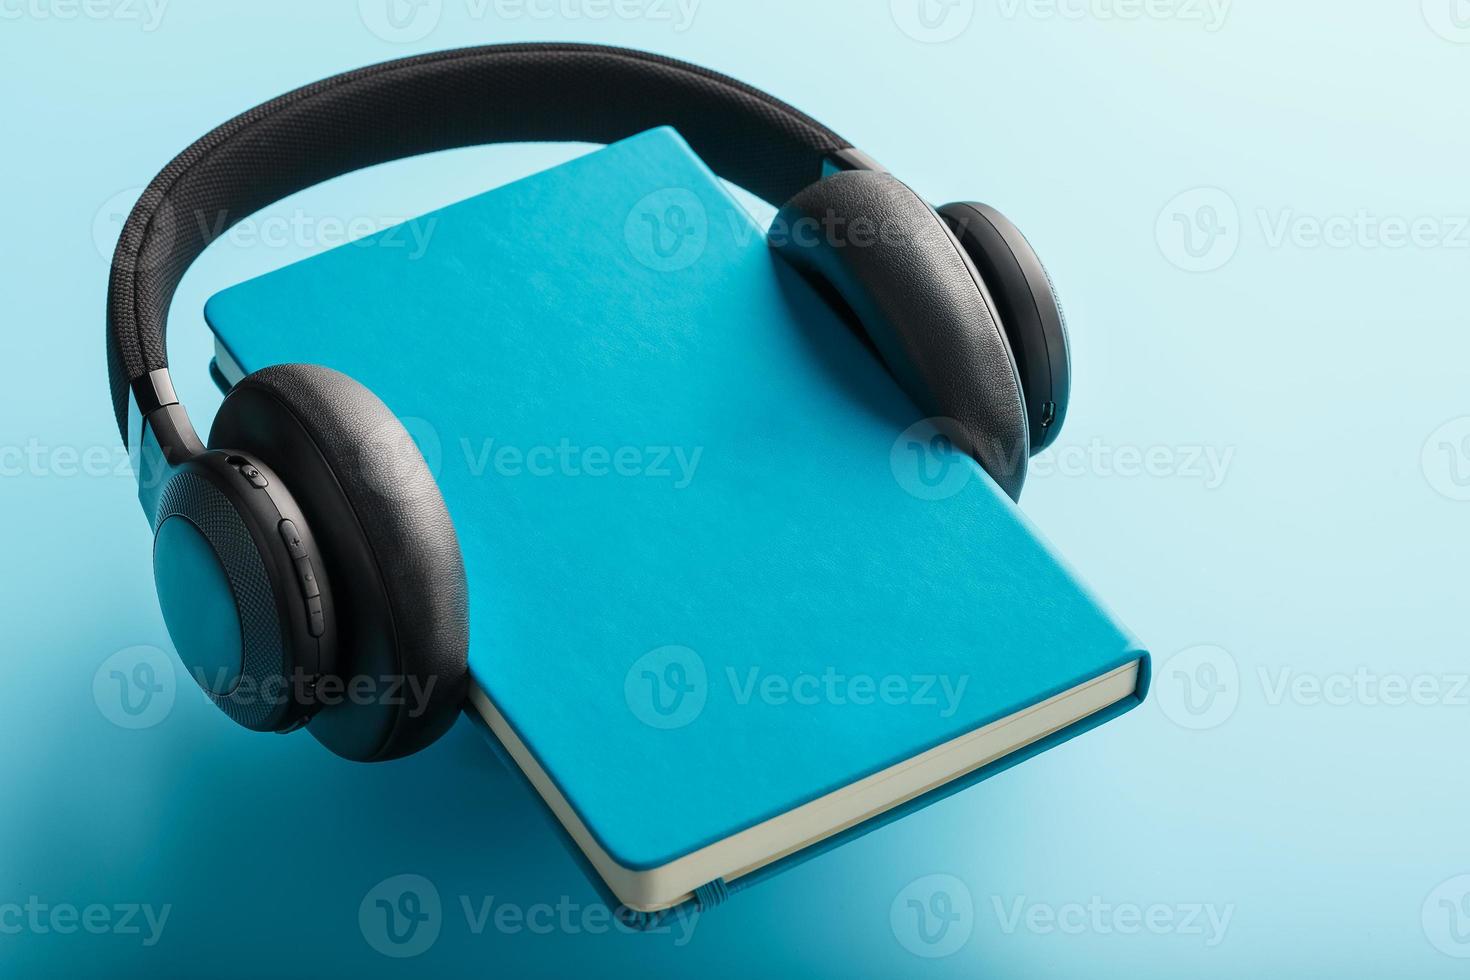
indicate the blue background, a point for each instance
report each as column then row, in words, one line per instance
column 1155, row 162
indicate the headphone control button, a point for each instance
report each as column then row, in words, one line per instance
column 318, row 619
column 307, row 575
column 257, row 479
column 294, row 545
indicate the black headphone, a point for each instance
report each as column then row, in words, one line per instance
column 306, row 565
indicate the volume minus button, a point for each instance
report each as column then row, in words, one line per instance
column 316, row 618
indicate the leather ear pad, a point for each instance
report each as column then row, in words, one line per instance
column 389, row 546
column 891, row 260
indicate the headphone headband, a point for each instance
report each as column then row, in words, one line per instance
column 450, row 99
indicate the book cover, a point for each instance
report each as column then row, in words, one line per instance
column 719, row 566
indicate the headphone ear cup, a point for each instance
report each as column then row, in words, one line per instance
column 891, row 260
column 1029, row 311
column 386, row 537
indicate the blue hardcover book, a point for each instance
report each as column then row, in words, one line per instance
column 731, row 600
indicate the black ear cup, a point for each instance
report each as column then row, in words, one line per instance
column 249, row 610
column 892, row 261
column 1029, row 312
column 387, row 542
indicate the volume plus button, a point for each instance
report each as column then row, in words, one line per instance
column 294, row 545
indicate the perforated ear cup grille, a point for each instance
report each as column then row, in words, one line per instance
column 261, row 696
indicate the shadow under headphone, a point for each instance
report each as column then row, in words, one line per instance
column 306, row 565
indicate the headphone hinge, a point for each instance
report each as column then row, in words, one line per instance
column 160, row 436
column 152, row 391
